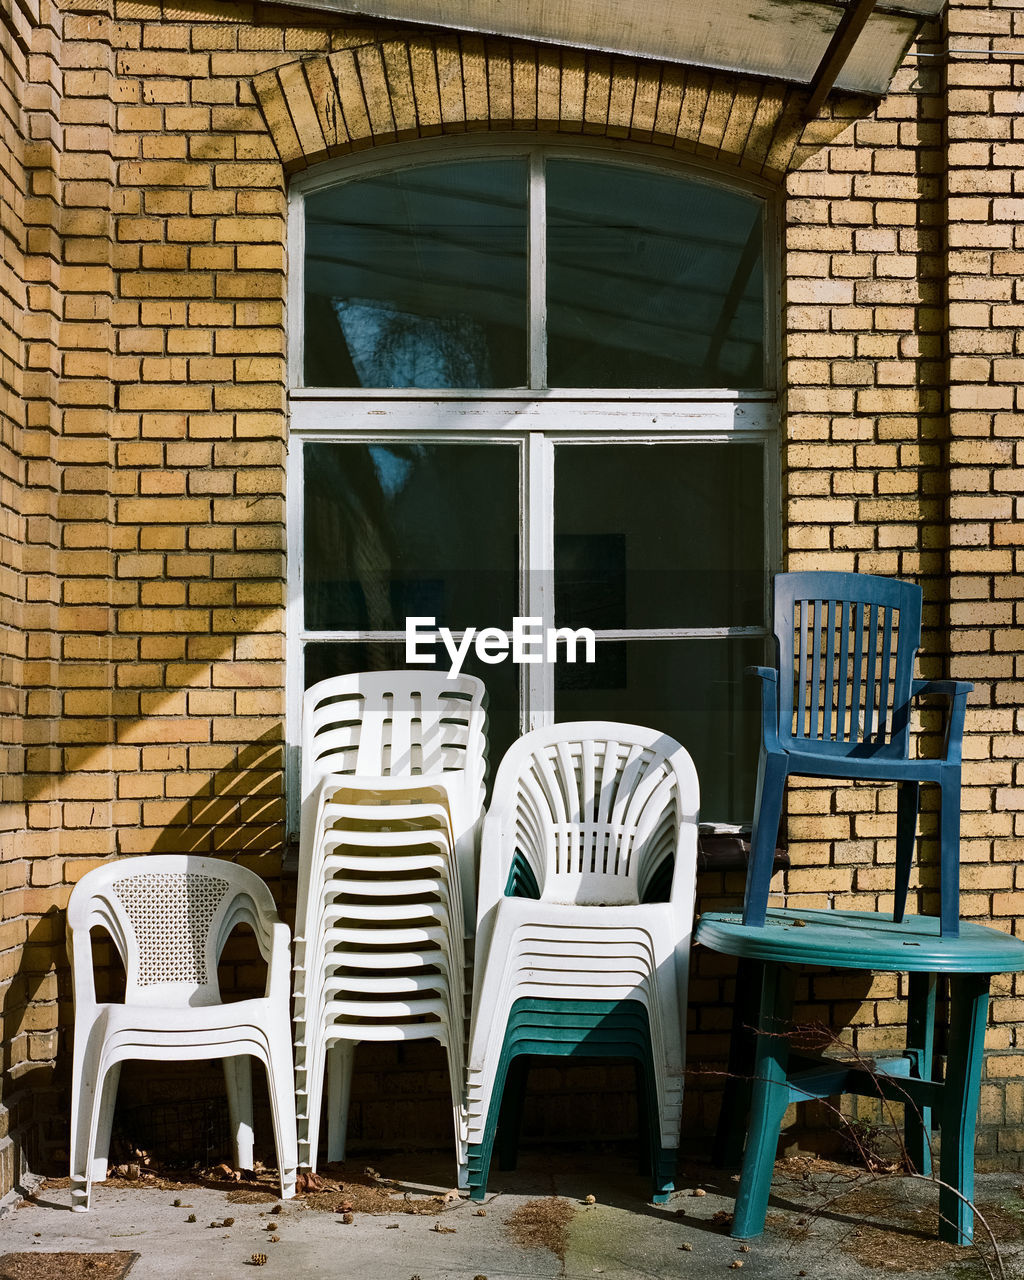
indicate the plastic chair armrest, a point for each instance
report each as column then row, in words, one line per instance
column 273, row 937
column 493, row 866
column 769, row 706
column 83, row 980
column 279, row 961
column 262, row 916
column 944, row 688
column 683, row 890
column 956, row 691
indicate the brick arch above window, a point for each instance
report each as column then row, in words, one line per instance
column 401, row 89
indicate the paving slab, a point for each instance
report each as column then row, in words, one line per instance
column 825, row 1220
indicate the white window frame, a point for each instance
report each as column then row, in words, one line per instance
column 536, row 417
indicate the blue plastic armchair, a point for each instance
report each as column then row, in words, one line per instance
column 838, row 706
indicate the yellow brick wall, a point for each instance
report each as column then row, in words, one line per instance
column 903, row 416
column 986, row 400
column 144, row 429
column 12, row 529
column 29, row 537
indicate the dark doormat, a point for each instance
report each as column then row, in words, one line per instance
column 66, row 1266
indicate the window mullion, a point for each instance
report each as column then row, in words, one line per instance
column 296, row 622
column 537, row 267
column 538, row 680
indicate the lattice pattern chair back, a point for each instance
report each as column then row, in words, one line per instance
column 595, row 811
column 392, row 724
column 847, row 643
column 170, row 924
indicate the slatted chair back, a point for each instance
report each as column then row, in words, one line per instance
column 847, row 643
column 393, row 724
column 592, row 809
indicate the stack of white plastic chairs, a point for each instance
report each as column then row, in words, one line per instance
column 393, row 772
column 585, row 819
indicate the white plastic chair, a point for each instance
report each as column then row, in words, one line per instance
column 588, row 812
column 169, row 917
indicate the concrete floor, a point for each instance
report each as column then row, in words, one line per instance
column 824, row 1221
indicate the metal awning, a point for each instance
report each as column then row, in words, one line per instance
column 855, row 45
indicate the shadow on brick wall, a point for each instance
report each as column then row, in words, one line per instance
column 34, row 1103
column 238, row 812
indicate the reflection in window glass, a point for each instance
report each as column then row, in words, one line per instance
column 418, row 278
column 693, row 690
column 663, row 535
column 400, row 530
column 653, row 280
column 501, row 680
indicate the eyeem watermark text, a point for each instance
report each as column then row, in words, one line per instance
column 528, row 641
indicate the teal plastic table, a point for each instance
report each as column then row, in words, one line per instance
column 765, row 1077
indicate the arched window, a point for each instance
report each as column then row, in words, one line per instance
column 533, row 379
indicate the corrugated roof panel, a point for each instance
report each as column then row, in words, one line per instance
column 777, row 39
column 878, row 52
column 782, row 39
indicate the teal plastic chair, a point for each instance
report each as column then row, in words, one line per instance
column 765, row 1076
column 837, row 705
column 539, row 1028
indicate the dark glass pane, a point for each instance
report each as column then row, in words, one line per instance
column 662, row 535
column 694, row 690
column 653, row 280
column 502, row 681
column 399, row 530
column 418, row 278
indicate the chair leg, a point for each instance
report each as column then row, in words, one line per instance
column 771, row 783
column 340, row 1060
column 281, row 1087
column 457, row 1086
column 908, row 796
column 510, row 1117
column 949, row 852
column 88, row 1089
column 104, row 1124
column 316, row 1069
column 479, row 1153
column 968, row 1015
column 917, row 1121
column 769, row 1098
column 301, row 1071
column 647, row 1143
column 731, row 1130
column 238, row 1083
column 661, row 1162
